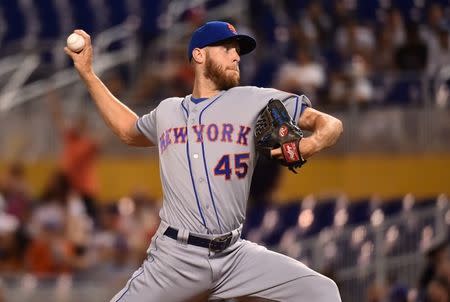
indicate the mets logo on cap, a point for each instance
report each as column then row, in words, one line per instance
column 231, row 27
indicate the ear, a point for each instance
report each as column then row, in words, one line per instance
column 198, row 55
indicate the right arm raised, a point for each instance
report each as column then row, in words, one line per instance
column 121, row 119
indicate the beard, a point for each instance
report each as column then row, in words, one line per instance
column 219, row 76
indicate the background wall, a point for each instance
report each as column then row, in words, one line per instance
column 358, row 176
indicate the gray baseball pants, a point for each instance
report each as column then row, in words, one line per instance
column 175, row 271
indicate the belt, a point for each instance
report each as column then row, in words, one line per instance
column 215, row 245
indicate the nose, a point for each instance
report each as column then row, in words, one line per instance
column 236, row 56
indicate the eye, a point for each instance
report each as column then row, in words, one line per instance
column 229, row 47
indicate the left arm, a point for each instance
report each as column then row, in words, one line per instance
column 326, row 130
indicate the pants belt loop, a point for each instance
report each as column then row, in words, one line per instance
column 182, row 236
column 236, row 234
column 162, row 227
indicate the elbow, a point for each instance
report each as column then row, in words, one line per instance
column 126, row 132
column 127, row 140
column 125, row 137
column 339, row 127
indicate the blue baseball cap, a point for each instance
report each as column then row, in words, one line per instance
column 217, row 31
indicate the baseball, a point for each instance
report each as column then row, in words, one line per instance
column 75, row 42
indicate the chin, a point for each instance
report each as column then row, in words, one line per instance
column 235, row 78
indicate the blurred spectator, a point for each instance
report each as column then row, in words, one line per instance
column 435, row 20
column 391, row 34
column 396, row 25
column 361, row 87
column 58, row 242
column 11, row 244
column 171, row 73
column 353, row 38
column 439, row 66
column 316, row 25
column 439, row 53
column 16, row 191
column 79, row 156
column 107, row 242
column 376, row 292
column 384, row 61
column 412, row 55
column 437, row 271
column 353, row 85
column 397, row 292
column 438, row 290
column 138, row 221
column 304, row 75
column 342, row 11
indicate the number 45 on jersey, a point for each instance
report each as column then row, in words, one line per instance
column 229, row 163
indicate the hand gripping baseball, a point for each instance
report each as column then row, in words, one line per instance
column 275, row 129
column 83, row 59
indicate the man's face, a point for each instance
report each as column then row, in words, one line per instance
column 222, row 65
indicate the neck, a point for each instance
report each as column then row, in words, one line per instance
column 204, row 88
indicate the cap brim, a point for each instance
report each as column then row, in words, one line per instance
column 246, row 43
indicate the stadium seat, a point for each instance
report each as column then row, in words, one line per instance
column 48, row 18
column 15, row 21
column 359, row 212
column 404, row 91
column 84, row 16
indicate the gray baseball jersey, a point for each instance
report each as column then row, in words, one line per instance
column 207, row 155
column 207, row 158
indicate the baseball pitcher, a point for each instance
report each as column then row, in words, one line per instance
column 208, row 143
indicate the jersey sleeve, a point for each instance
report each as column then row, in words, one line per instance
column 295, row 104
column 146, row 124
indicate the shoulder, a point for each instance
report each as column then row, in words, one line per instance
column 169, row 103
column 172, row 101
column 248, row 89
column 251, row 91
column 266, row 94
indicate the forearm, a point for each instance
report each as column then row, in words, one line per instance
column 116, row 115
column 327, row 131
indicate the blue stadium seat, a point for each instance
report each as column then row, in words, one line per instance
column 15, row 20
column 425, row 202
column 83, row 15
column 254, row 218
column 392, row 207
column 265, row 73
column 366, row 10
column 359, row 212
column 211, row 4
column 118, row 12
column 48, row 18
column 288, row 218
column 404, row 91
column 150, row 11
column 323, row 216
column 290, row 213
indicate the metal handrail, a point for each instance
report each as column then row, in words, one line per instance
column 22, row 94
column 62, row 79
column 16, row 94
column 10, row 63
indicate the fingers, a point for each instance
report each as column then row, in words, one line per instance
column 82, row 32
column 87, row 38
column 276, row 153
column 69, row 52
column 83, row 59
